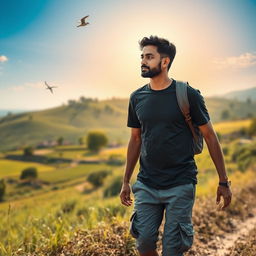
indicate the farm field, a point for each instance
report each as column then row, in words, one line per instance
column 65, row 208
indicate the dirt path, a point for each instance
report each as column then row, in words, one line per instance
column 225, row 244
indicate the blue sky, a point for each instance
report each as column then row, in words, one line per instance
column 39, row 41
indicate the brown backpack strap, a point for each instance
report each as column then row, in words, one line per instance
column 182, row 98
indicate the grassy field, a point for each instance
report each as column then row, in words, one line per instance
column 34, row 219
column 231, row 126
column 14, row 168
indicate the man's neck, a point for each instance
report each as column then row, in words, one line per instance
column 159, row 83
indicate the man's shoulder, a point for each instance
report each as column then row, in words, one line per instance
column 138, row 91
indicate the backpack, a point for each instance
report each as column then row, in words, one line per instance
column 182, row 98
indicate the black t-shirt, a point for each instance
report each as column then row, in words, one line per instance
column 166, row 157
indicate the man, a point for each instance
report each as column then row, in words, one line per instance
column 167, row 180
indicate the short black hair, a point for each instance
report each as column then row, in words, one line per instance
column 164, row 47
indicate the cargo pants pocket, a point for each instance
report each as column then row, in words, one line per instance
column 186, row 232
column 133, row 230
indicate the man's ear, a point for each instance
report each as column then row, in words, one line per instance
column 165, row 61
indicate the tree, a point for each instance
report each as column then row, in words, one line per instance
column 81, row 141
column 28, row 151
column 114, row 188
column 2, row 189
column 29, row 173
column 96, row 140
column 252, row 127
column 60, row 141
column 225, row 114
column 97, row 178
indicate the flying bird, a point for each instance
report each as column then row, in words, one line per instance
column 50, row 87
column 82, row 21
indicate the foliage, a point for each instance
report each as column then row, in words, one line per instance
column 29, row 173
column 252, row 128
column 96, row 140
column 97, row 178
column 114, row 188
column 60, row 141
column 245, row 156
column 68, row 206
column 28, row 151
column 116, row 159
column 2, row 189
column 81, row 141
column 225, row 114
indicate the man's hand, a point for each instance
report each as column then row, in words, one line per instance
column 226, row 193
column 125, row 194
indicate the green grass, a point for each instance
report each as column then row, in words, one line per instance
column 67, row 174
column 14, row 168
column 75, row 120
column 231, row 126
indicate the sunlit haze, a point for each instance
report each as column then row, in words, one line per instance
column 39, row 41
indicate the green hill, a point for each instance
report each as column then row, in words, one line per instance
column 243, row 95
column 76, row 118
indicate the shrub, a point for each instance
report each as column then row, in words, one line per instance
column 97, row 178
column 114, row 188
column 28, row 151
column 116, row 159
column 60, row 141
column 252, row 127
column 2, row 189
column 29, row 173
column 68, row 206
column 96, row 140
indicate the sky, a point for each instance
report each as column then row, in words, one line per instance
column 39, row 41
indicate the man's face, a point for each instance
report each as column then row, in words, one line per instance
column 150, row 61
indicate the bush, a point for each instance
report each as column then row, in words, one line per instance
column 96, row 140
column 252, row 127
column 2, row 189
column 225, row 150
column 29, row 173
column 225, row 114
column 97, row 178
column 68, row 206
column 28, row 151
column 245, row 156
column 116, row 159
column 60, row 141
column 114, row 188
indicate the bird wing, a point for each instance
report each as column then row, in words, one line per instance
column 85, row 17
column 46, row 84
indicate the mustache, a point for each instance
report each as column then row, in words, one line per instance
column 144, row 66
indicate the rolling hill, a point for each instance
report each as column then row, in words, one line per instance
column 76, row 118
column 242, row 95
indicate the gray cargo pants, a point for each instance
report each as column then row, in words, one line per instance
column 150, row 205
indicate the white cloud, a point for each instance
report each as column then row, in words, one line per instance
column 243, row 61
column 3, row 58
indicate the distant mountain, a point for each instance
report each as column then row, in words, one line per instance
column 76, row 118
column 4, row 112
column 242, row 95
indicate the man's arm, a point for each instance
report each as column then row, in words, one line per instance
column 133, row 153
column 216, row 154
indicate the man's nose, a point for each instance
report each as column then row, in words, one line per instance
column 143, row 62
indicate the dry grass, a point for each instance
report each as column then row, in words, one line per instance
column 211, row 225
column 246, row 246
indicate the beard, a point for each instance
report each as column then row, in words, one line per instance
column 151, row 72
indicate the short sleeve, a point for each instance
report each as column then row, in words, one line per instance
column 132, row 120
column 198, row 110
